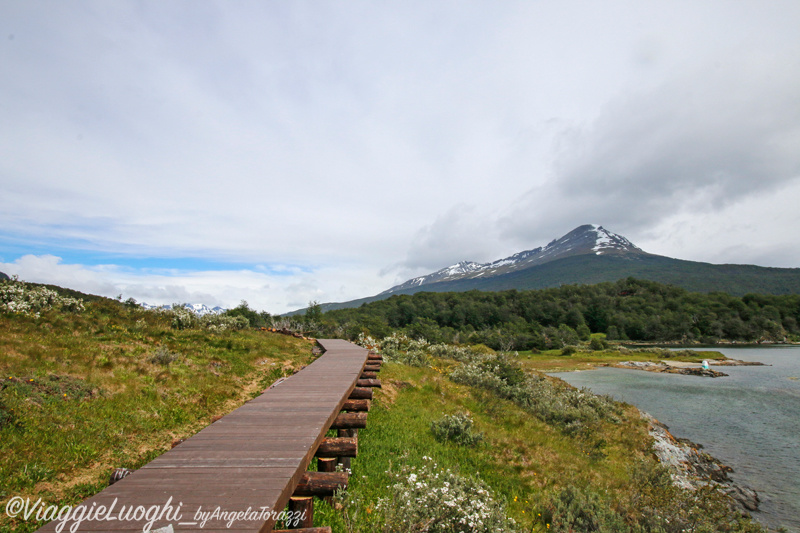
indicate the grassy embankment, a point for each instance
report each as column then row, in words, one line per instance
column 522, row 459
column 556, row 459
column 85, row 393
column 112, row 387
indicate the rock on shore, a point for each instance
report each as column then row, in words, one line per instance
column 692, row 468
column 651, row 366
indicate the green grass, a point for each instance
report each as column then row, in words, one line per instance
column 521, row 458
column 543, row 473
column 83, row 394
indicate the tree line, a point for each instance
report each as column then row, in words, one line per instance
column 629, row 309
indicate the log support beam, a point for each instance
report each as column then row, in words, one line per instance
column 338, row 447
column 350, row 421
column 361, row 393
column 320, row 484
column 356, row 405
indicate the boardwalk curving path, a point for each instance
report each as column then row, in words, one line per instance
column 250, row 460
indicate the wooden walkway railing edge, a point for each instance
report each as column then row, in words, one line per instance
column 241, row 472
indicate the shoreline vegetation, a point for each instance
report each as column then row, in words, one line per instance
column 94, row 385
column 665, row 480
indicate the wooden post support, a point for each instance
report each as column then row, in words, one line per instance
column 372, row 368
column 302, row 509
column 361, row 393
column 356, row 405
column 326, row 464
column 344, row 460
column 338, row 447
column 350, row 420
column 368, row 383
column 368, row 375
column 320, row 483
column 374, row 357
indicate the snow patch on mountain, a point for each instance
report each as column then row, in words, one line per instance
column 610, row 241
column 586, row 239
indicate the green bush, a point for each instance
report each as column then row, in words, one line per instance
column 597, row 344
column 560, row 405
column 162, row 356
column 456, row 428
column 573, row 509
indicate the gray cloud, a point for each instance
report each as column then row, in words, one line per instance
column 699, row 142
column 459, row 234
column 349, row 138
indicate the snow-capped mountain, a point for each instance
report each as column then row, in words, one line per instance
column 586, row 239
column 198, row 309
column 587, row 255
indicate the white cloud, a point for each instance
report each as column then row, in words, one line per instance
column 346, row 139
column 276, row 292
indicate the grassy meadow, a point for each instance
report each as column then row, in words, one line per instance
column 460, row 438
column 84, row 393
column 551, row 458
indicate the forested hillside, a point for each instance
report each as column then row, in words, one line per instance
column 628, row 309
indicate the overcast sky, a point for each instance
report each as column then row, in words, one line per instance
column 287, row 151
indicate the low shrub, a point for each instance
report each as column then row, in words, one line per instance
column 433, row 500
column 184, row 318
column 30, row 300
column 162, row 356
column 456, row 428
column 597, row 344
column 574, row 509
column 560, row 405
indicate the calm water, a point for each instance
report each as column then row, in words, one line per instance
column 749, row 420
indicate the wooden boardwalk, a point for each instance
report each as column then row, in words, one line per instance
column 250, row 460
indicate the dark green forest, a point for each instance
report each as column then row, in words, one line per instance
column 625, row 310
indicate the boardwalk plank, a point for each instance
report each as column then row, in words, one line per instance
column 252, row 458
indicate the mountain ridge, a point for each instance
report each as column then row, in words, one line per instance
column 588, row 238
column 586, row 255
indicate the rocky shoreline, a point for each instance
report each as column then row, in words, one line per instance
column 651, row 366
column 692, row 369
column 691, row 468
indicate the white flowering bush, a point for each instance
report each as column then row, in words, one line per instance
column 184, row 318
column 22, row 298
column 432, row 500
column 224, row 322
column 463, row 354
column 418, row 352
column 368, row 342
column 403, row 349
